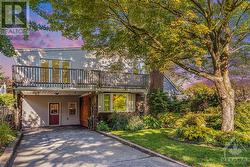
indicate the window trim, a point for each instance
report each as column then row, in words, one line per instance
column 111, row 103
column 75, row 103
column 50, row 66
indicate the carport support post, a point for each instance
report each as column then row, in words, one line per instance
column 94, row 108
column 146, row 110
column 19, row 111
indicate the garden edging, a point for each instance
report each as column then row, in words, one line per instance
column 142, row 149
column 9, row 151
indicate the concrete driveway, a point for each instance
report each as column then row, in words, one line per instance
column 75, row 146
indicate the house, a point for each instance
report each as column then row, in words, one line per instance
column 70, row 86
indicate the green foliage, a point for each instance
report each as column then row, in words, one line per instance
column 213, row 121
column 179, row 105
column 102, row 126
column 195, row 133
column 162, row 33
column 226, row 138
column 6, row 134
column 160, row 140
column 191, row 119
column 213, row 118
column 168, row 119
column 6, row 46
column 158, row 102
column 119, row 121
column 242, row 116
column 151, row 122
column 125, row 121
column 7, row 100
column 202, row 96
column 135, row 123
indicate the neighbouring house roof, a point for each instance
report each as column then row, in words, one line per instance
column 169, row 86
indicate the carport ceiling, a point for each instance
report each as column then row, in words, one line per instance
column 54, row 92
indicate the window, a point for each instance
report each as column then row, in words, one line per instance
column 59, row 72
column 65, row 72
column 54, row 108
column 55, row 71
column 107, row 103
column 115, row 102
column 44, row 74
column 72, row 107
column 119, row 102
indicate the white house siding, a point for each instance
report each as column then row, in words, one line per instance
column 35, row 110
column 78, row 58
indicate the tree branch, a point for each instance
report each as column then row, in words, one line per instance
column 196, row 72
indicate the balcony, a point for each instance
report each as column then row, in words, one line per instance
column 59, row 78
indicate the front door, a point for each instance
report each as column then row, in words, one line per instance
column 54, row 110
column 85, row 111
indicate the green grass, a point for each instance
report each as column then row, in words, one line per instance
column 192, row 154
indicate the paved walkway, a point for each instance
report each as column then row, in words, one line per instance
column 75, row 146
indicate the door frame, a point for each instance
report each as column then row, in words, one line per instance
column 59, row 113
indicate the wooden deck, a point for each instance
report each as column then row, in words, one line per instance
column 59, row 78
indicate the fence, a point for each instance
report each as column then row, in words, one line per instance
column 10, row 115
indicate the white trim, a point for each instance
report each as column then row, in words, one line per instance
column 111, row 103
column 60, row 113
column 76, row 104
column 49, row 49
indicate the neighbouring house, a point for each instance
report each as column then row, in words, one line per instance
column 3, row 89
column 70, row 86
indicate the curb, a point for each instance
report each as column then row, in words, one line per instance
column 9, row 151
column 142, row 149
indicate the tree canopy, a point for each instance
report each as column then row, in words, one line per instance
column 6, row 46
column 198, row 36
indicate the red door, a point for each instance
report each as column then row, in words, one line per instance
column 54, row 113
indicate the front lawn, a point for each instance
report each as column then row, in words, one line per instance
column 192, row 154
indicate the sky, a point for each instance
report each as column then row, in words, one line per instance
column 38, row 39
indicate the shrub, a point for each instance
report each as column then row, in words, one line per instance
column 158, row 102
column 191, row 119
column 151, row 122
column 135, row 123
column 195, row 134
column 6, row 134
column 119, row 121
column 179, row 105
column 242, row 116
column 213, row 121
column 102, row 126
column 7, row 100
column 227, row 138
column 213, row 118
column 168, row 119
column 202, row 97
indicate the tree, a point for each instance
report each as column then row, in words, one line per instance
column 198, row 36
column 6, row 46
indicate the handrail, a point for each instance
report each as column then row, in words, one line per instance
column 34, row 76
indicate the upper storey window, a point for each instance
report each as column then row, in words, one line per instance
column 54, row 70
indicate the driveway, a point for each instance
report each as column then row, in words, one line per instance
column 75, row 146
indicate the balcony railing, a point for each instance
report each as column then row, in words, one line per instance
column 32, row 76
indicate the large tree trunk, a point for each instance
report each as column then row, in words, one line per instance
column 156, row 80
column 227, row 97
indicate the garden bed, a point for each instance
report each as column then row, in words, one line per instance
column 159, row 141
column 7, row 153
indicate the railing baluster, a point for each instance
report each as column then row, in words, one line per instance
column 30, row 76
